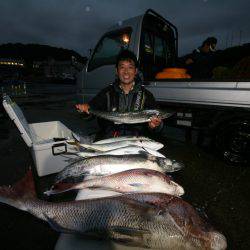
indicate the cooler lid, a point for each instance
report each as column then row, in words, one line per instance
column 16, row 115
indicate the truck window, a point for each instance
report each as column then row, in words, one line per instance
column 160, row 48
column 109, row 47
column 147, row 55
column 155, row 54
column 157, row 47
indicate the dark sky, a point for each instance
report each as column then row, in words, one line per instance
column 78, row 24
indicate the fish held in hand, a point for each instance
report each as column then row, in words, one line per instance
column 131, row 117
column 135, row 180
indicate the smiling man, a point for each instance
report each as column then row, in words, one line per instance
column 125, row 94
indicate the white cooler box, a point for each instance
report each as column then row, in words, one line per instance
column 47, row 140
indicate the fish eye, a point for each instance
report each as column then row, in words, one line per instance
column 160, row 212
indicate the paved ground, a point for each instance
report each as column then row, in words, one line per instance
column 219, row 191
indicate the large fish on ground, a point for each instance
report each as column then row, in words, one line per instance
column 129, row 150
column 119, row 144
column 184, row 216
column 111, row 164
column 135, row 180
column 131, row 117
column 135, row 221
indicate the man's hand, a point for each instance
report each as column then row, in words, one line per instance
column 83, row 107
column 154, row 122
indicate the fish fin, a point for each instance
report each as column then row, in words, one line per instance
column 146, row 210
column 130, row 241
column 61, row 187
column 117, row 123
column 76, row 136
column 148, row 155
column 129, row 236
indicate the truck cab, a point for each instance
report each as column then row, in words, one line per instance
column 152, row 38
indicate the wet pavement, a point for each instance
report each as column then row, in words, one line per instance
column 219, row 191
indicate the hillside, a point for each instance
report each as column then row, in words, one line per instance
column 36, row 52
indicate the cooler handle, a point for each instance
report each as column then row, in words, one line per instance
column 55, row 146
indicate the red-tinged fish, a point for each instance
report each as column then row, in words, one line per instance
column 118, row 218
column 134, row 180
column 184, row 216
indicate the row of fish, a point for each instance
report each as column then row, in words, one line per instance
column 145, row 210
column 144, row 174
column 137, row 172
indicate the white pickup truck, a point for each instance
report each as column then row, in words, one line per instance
column 218, row 109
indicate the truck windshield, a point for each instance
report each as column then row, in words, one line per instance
column 109, row 47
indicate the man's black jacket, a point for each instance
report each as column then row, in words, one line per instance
column 112, row 98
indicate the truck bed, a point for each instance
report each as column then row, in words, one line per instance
column 231, row 94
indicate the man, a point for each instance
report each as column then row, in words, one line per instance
column 125, row 94
column 200, row 63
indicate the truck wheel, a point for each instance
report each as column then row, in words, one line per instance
column 232, row 141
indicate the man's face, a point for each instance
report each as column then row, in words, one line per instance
column 213, row 47
column 126, row 71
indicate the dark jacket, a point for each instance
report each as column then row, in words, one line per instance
column 112, row 98
column 203, row 65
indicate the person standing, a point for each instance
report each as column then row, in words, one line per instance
column 201, row 62
column 125, row 94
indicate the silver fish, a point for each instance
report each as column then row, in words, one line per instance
column 131, row 117
column 120, row 218
column 123, row 138
column 119, row 144
column 111, row 164
column 123, row 151
column 135, row 180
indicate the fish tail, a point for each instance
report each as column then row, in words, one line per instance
column 17, row 194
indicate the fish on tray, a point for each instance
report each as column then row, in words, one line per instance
column 131, row 117
column 119, row 144
column 153, row 222
column 124, row 138
column 128, row 150
column 134, row 180
column 111, row 164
